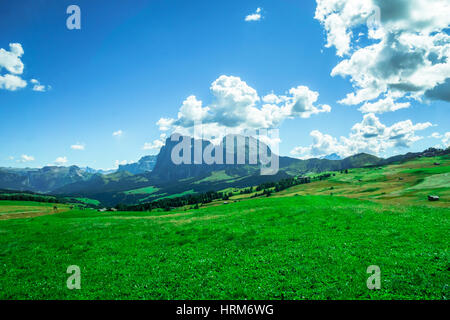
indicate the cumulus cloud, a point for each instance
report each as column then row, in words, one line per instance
column 26, row 158
column 156, row 144
column 254, row 16
column 117, row 133
column 370, row 136
column 11, row 62
column 12, row 82
column 446, row 139
column 37, row 86
column 435, row 135
column 405, row 53
column 117, row 163
column 236, row 107
column 77, row 146
column 383, row 105
column 61, row 161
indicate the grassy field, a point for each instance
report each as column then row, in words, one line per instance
column 408, row 183
column 145, row 190
column 292, row 245
column 301, row 247
column 89, row 201
column 28, row 209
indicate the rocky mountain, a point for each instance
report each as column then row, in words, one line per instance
column 98, row 183
column 42, row 180
column 160, row 173
column 166, row 171
column 169, row 178
column 145, row 164
column 100, row 171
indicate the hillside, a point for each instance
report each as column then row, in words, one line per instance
column 304, row 247
column 171, row 179
column 408, row 182
column 164, row 178
column 326, row 231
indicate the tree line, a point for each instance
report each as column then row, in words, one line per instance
column 195, row 200
column 30, row 197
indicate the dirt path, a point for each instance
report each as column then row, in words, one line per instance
column 29, row 214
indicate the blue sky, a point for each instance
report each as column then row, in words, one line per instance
column 131, row 65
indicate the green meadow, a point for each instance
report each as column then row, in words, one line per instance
column 312, row 241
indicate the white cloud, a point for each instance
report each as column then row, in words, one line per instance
column 117, row 133
column 254, row 16
column 436, row 135
column 61, row 161
column 11, row 62
column 26, row 158
column 156, row 144
column 191, row 111
column 237, row 107
column 38, row 86
column 446, row 139
column 117, row 163
column 12, row 82
column 165, row 124
column 383, row 105
column 370, row 136
column 77, row 146
column 407, row 51
column 10, row 158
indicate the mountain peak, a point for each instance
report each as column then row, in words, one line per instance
column 332, row 156
column 145, row 164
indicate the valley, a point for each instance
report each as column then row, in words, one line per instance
column 308, row 241
column 156, row 177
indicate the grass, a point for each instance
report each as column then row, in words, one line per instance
column 218, row 176
column 88, row 201
column 300, row 243
column 184, row 193
column 28, row 209
column 303, row 247
column 145, row 190
column 408, row 183
column 435, row 181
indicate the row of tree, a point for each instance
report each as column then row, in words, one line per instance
column 30, row 197
column 194, row 200
column 175, row 202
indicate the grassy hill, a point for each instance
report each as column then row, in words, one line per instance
column 409, row 183
column 310, row 241
column 311, row 247
column 29, row 209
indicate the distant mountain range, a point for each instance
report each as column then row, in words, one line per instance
column 44, row 180
column 145, row 164
column 161, row 175
column 93, row 171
